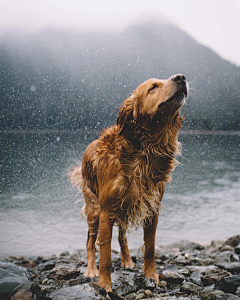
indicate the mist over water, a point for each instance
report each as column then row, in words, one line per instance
column 39, row 216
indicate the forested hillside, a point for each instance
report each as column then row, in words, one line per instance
column 56, row 79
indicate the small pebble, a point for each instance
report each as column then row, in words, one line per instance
column 50, row 281
column 162, row 283
column 226, row 248
column 130, row 296
column 140, row 296
column 238, row 291
column 184, row 272
column 81, row 262
column 45, row 281
column 65, row 253
column 147, row 292
column 234, row 257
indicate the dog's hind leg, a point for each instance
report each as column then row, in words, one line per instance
column 91, row 248
column 126, row 260
column 91, row 210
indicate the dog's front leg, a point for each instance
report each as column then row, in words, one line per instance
column 104, row 241
column 126, row 260
column 149, row 255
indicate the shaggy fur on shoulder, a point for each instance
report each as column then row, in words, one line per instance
column 123, row 172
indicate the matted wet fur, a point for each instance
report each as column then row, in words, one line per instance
column 123, row 172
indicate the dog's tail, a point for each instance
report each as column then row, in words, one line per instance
column 83, row 211
column 75, row 175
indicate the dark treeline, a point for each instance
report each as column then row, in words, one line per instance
column 56, row 79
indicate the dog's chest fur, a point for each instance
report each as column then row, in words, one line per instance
column 135, row 188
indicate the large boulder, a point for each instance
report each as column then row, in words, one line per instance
column 11, row 276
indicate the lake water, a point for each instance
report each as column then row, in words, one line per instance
column 38, row 214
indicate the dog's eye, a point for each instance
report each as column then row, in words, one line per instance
column 153, row 87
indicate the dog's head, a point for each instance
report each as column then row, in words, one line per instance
column 154, row 103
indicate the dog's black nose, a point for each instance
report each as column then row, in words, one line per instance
column 180, row 81
column 179, row 78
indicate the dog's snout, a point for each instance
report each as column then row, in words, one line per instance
column 179, row 78
column 180, row 81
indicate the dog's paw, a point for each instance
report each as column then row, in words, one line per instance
column 105, row 284
column 127, row 263
column 152, row 274
column 91, row 272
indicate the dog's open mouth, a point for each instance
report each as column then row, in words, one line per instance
column 178, row 97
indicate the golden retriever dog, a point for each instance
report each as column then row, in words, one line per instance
column 123, row 173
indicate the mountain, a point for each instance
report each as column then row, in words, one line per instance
column 60, row 79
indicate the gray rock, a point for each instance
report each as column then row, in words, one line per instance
column 237, row 249
column 48, row 265
column 113, row 296
column 229, row 284
column 131, row 296
column 148, row 292
column 213, row 295
column 195, row 260
column 227, row 297
column 238, row 291
column 206, row 291
column 233, row 267
column 64, row 271
column 226, row 248
column 200, row 269
column 172, row 276
column 207, row 261
column 65, row 253
column 224, row 256
column 124, row 288
column 163, row 297
column 79, row 280
column 186, row 246
column 234, row 257
column 184, row 272
column 149, row 284
column 130, row 283
column 11, row 276
column 213, row 278
column 32, row 290
column 140, row 296
column 233, row 241
column 212, row 270
column 162, row 283
column 77, row 292
column 189, row 288
column 195, row 277
column 181, row 260
column 216, row 244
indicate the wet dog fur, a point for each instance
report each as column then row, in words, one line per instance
column 123, row 173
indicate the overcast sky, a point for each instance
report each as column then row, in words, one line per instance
column 215, row 23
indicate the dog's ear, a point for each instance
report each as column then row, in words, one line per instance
column 127, row 114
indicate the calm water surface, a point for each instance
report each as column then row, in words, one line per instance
column 38, row 214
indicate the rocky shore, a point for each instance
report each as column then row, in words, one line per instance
column 187, row 271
